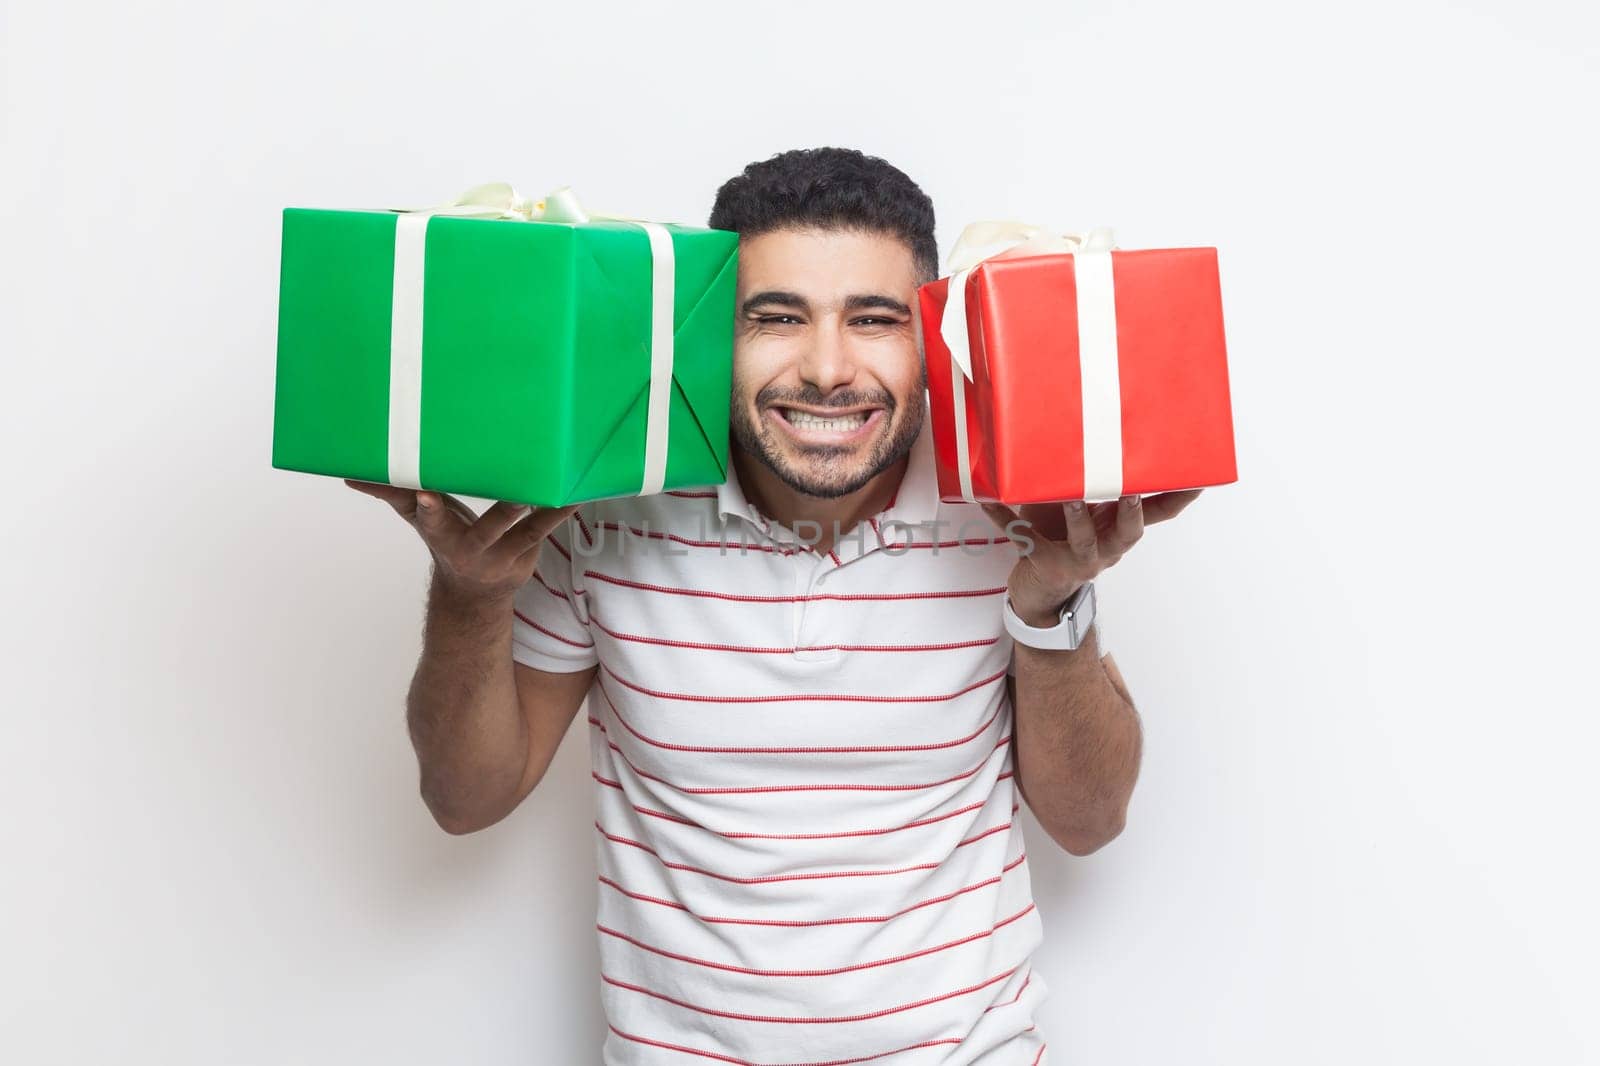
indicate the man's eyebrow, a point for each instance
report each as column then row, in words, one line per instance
column 774, row 297
column 871, row 301
column 857, row 302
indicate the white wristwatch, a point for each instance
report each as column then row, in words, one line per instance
column 1065, row 635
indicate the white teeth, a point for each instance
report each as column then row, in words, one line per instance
column 842, row 424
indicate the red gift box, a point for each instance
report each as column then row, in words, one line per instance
column 1127, row 394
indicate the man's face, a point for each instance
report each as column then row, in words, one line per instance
column 828, row 375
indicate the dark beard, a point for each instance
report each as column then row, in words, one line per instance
column 833, row 482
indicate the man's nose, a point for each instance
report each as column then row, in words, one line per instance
column 828, row 362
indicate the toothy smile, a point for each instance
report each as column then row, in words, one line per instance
column 837, row 424
column 827, row 428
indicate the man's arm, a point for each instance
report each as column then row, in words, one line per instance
column 1077, row 742
column 484, row 728
column 1076, row 732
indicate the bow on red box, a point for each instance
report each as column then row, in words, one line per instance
column 1071, row 370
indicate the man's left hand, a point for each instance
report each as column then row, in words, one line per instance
column 1066, row 545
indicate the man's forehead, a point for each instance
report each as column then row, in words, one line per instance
column 826, row 262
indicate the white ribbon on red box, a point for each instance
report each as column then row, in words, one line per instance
column 1097, row 339
column 500, row 201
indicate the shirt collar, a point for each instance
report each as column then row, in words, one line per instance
column 730, row 496
column 914, row 503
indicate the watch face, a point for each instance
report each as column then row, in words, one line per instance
column 1082, row 614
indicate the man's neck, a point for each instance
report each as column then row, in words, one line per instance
column 784, row 505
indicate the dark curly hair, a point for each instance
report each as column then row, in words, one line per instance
column 829, row 188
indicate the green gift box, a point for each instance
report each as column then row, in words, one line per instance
column 530, row 355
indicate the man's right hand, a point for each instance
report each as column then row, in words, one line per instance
column 485, row 557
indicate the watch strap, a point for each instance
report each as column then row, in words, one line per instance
column 1067, row 634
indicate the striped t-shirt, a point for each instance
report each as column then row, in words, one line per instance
column 807, row 826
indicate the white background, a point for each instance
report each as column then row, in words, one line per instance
column 1364, row 829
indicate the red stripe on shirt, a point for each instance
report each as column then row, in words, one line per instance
column 675, row 538
column 692, row 495
column 746, row 1062
column 551, row 589
column 771, row 878
column 794, row 923
column 802, row 1020
column 548, row 633
column 862, row 749
column 1021, row 989
column 752, row 789
column 831, row 972
column 880, row 596
column 667, row 817
column 791, row 697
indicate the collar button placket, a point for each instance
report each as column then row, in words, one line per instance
column 798, row 566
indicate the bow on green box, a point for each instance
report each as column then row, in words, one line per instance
column 504, row 349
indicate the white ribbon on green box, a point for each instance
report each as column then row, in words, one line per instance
column 501, row 201
column 1097, row 339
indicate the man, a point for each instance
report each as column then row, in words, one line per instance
column 810, row 733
